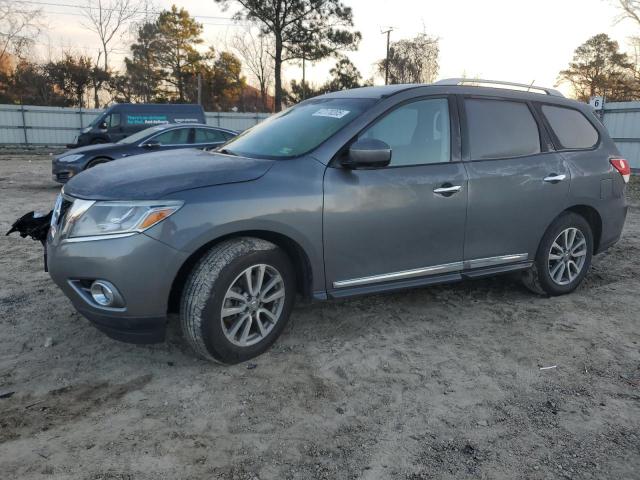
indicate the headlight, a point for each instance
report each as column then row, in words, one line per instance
column 71, row 158
column 86, row 129
column 90, row 219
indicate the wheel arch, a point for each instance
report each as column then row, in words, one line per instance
column 100, row 159
column 592, row 216
column 295, row 252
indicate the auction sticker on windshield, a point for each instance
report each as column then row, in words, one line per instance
column 331, row 112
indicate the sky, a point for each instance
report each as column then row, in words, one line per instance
column 512, row 40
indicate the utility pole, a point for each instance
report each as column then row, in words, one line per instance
column 304, row 77
column 386, row 62
column 199, row 88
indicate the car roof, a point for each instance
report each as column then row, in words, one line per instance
column 505, row 90
column 168, row 126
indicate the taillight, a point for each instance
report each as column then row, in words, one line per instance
column 622, row 166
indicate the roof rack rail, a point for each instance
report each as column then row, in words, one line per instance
column 477, row 82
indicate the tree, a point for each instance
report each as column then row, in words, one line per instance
column 316, row 28
column 107, row 18
column 412, row 61
column 19, row 26
column 599, row 68
column 143, row 68
column 99, row 77
column 257, row 52
column 29, row 84
column 344, row 75
column 227, row 82
column 178, row 58
column 630, row 9
column 299, row 91
column 71, row 76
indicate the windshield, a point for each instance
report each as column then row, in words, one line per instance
column 299, row 129
column 97, row 121
column 136, row 137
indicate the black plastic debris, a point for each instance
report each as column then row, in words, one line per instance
column 32, row 225
column 7, row 395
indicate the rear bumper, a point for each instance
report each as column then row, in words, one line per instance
column 613, row 225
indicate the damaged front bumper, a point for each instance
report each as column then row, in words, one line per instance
column 142, row 270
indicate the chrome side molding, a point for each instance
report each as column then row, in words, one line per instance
column 386, row 277
column 494, row 261
column 434, row 270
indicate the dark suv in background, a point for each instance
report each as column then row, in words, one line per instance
column 354, row 192
column 123, row 119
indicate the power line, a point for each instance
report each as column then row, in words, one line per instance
column 88, row 7
column 50, row 12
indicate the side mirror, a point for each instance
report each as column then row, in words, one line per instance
column 102, row 126
column 151, row 144
column 368, row 153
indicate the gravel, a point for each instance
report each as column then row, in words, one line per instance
column 439, row 382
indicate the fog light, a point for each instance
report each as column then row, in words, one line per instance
column 103, row 293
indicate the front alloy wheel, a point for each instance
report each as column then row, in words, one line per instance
column 253, row 305
column 237, row 299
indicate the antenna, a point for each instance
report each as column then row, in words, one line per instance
column 531, row 84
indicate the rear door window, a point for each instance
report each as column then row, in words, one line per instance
column 500, row 129
column 208, row 135
column 571, row 127
column 176, row 136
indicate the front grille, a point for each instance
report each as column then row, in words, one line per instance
column 63, row 176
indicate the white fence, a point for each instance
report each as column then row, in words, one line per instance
column 622, row 120
column 52, row 126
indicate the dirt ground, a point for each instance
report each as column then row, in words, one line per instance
column 440, row 382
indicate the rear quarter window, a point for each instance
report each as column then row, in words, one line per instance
column 571, row 127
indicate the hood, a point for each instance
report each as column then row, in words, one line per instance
column 155, row 175
column 89, row 149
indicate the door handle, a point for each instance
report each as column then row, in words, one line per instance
column 451, row 189
column 553, row 178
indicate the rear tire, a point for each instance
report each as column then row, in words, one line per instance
column 229, row 315
column 563, row 258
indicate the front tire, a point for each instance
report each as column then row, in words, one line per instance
column 237, row 300
column 97, row 161
column 563, row 257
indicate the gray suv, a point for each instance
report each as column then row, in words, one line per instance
column 355, row 192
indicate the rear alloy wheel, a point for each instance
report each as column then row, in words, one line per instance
column 237, row 300
column 567, row 256
column 563, row 257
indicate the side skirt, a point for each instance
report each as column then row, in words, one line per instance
column 424, row 281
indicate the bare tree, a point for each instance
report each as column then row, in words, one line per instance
column 107, row 18
column 413, row 60
column 19, row 26
column 629, row 9
column 257, row 51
